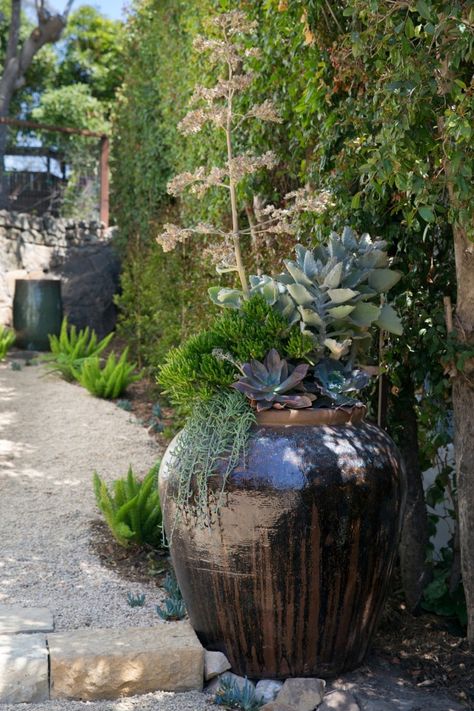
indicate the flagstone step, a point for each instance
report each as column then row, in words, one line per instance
column 23, row 668
column 17, row 620
column 109, row 663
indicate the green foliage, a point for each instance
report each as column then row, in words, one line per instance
column 438, row 596
column 192, row 372
column 71, row 348
column 132, row 508
column 136, row 600
column 7, row 339
column 233, row 696
column 213, row 439
column 174, row 607
column 109, row 380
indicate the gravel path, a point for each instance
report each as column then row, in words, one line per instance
column 53, row 435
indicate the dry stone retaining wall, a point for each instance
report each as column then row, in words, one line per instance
column 78, row 252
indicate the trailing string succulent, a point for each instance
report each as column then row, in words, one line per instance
column 270, row 384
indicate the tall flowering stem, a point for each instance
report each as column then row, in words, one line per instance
column 216, row 105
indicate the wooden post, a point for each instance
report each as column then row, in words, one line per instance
column 104, row 180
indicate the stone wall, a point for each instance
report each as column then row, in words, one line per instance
column 80, row 253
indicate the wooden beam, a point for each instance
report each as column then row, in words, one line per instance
column 104, row 180
column 53, row 129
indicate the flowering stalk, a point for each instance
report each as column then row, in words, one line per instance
column 216, row 105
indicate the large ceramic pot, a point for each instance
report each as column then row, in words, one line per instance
column 291, row 576
column 37, row 312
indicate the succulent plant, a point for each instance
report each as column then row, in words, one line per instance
column 334, row 292
column 136, row 600
column 336, row 383
column 270, row 384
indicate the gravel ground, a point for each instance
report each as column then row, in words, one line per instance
column 53, row 435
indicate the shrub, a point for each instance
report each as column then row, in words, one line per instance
column 70, row 349
column 7, row 339
column 132, row 509
column 107, row 381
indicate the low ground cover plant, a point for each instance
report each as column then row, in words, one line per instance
column 7, row 339
column 174, row 607
column 131, row 508
column 72, row 347
column 108, row 380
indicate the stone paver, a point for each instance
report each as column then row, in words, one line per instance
column 23, row 669
column 109, row 663
column 16, row 620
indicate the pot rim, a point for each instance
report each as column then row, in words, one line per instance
column 312, row 416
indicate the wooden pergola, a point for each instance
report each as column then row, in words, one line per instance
column 104, row 155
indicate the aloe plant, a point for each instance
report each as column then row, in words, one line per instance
column 131, row 508
column 109, row 380
column 270, row 384
column 334, row 292
column 7, row 339
column 72, row 347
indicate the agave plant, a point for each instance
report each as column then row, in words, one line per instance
column 270, row 384
column 334, row 292
column 336, row 384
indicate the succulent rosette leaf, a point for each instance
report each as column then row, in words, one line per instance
column 337, row 384
column 270, row 384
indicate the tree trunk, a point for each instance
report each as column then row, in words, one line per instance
column 415, row 533
column 463, row 405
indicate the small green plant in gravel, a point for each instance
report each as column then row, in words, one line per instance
column 7, row 339
column 136, row 600
column 233, row 696
column 71, row 348
column 16, row 365
column 124, row 405
column 174, row 607
column 132, row 508
column 109, row 380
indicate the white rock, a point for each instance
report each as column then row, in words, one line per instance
column 301, row 694
column 15, row 619
column 338, row 701
column 215, row 663
column 109, row 663
column 267, row 689
column 23, row 669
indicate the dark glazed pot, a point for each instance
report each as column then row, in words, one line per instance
column 37, row 312
column 290, row 578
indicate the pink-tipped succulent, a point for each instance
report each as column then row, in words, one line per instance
column 269, row 384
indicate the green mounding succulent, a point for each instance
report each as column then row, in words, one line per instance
column 236, row 696
column 337, row 384
column 132, row 509
column 71, row 348
column 110, row 380
column 191, row 372
column 333, row 292
column 174, row 607
column 270, row 384
column 172, row 610
column 7, row 339
column 136, row 600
